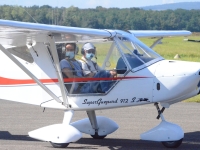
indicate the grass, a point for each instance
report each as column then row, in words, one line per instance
column 188, row 51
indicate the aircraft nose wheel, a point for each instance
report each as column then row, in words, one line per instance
column 59, row 145
column 172, row 144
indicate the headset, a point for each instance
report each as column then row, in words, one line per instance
column 83, row 51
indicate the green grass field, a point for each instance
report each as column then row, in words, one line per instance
column 188, row 51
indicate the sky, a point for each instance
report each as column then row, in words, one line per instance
column 92, row 3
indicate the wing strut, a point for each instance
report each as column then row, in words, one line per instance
column 108, row 55
column 156, row 42
column 57, row 67
column 7, row 53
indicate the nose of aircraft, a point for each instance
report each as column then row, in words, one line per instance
column 169, row 68
column 178, row 80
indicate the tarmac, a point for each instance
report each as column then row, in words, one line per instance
column 17, row 119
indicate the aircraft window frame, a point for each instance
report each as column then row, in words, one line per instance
column 145, row 47
column 117, row 40
column 109, row 54
column 113, row 45
column 136, row 45
column 50, row 54
column 133, row 39
column 130, row 51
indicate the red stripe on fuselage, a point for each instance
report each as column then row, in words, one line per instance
column 7, row 81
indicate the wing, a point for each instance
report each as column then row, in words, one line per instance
column 20, row 33
column 158, row 33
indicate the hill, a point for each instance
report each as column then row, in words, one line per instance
column 174, row 6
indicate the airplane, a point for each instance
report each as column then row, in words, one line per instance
column 190, row 40
column 30, row 73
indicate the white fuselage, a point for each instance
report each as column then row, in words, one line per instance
column 164, row 81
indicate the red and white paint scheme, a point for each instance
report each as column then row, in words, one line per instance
column 30, row 73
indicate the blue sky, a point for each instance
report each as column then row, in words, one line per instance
column 92, row 3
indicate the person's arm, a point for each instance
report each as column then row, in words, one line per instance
column 90, row 75
column 113, row 72
column 66, row 69
column 69, row 73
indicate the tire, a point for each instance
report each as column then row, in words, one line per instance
column 59, row 145
column 172, row 144
column 98, row 137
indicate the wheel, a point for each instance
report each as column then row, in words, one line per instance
column 96, row 136
column 172, row 144
column 59, row 145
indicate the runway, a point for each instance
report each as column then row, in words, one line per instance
column 17, row 119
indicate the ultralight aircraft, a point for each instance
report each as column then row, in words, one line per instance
column 29, row 69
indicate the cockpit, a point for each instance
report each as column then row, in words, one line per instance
column 123, row 54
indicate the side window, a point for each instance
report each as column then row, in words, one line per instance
column 115, row 61
column 111, row 65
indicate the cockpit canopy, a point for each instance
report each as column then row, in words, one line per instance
column 134, row 53
column 123, row 53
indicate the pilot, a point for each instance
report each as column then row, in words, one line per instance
column 70, row 67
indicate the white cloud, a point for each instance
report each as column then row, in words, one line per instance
column 167, row 1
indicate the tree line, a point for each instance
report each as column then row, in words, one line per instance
column 106, row 18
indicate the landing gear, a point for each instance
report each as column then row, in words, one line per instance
column 172, row 144
column 96, row 136
column 94, row 124
column 159, row 111
column 59, row 135
column 169, row 134
column 59, row 145
column 168, row 144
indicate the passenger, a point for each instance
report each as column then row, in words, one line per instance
column 92, row 69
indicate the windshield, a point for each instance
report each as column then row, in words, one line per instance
column 135, row 51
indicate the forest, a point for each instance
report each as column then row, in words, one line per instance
column 106, row 18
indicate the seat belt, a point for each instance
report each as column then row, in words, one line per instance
column 89, row 67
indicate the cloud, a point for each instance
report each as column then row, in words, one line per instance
column 167, row 1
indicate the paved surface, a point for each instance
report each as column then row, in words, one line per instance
column 16, row 120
